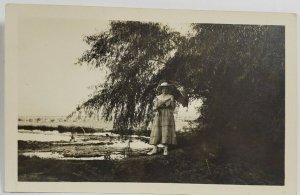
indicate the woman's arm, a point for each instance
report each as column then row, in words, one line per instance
column 169, row 102
column 172, row 102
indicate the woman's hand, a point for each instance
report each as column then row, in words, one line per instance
column 165, row 101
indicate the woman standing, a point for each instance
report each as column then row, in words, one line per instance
column 163, row 126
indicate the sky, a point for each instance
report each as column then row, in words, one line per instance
column 50, row 84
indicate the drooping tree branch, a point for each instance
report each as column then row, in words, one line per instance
column 134, row 53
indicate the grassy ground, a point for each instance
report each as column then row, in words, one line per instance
column 188, row 164
column 173, row 168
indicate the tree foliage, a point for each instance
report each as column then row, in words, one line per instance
column 241, row 68
column 133, row 53
column 238, row 72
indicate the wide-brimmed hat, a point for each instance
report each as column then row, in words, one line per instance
column 163, row 84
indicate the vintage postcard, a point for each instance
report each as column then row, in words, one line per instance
column 121, row 100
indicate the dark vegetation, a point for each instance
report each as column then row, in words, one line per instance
column 37, row 145
column 140, row 132
column 59, row 128
column 33, row 145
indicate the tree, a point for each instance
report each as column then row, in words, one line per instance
column 133, row 53
column 238, row 71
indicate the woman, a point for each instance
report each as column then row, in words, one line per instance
column 163, row 126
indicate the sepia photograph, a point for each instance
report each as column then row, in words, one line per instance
column 149, row 101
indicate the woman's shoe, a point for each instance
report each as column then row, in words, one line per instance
column 153, row 151
column 165, row 151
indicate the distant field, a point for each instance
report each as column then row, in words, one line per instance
column 55, row 121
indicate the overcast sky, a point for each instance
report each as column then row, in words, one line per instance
column 49, row 82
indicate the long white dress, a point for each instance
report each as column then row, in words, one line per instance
column 163, row 125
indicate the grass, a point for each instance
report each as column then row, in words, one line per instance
column 188, row 163
column 138, row 169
